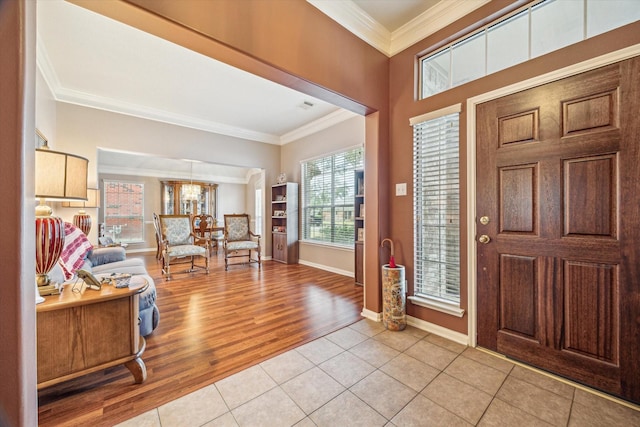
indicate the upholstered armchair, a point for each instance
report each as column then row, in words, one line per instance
column 180, row 245
column 239, row 241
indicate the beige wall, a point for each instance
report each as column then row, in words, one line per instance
column 83, row 131
column 45, row 110
column 348, row 133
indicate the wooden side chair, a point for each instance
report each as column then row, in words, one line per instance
column 239, row 241
column 206, row 226
column 180, row 245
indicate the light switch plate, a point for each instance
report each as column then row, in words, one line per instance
column 401, row 189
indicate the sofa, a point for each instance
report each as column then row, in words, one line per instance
column 79, row 254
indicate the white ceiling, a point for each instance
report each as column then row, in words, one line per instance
column 91, row 60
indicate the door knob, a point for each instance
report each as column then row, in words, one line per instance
column 484, row 239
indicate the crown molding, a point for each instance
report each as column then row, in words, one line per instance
column 322, row 123
column 70, row 96
column 360, row 23
column 46, row 69
column 353, row 18
column 62, row 94
column 130, row 109
column 168, row 174
column 430, row 21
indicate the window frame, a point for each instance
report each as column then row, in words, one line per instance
column 483, row 30
column 349, row 202
column 106, row 184
column 419, row 297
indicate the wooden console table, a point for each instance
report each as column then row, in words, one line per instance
column 83, row 332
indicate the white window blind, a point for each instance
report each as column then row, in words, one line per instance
column 328, row 191
column 437, row 207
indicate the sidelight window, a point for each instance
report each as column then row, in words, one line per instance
column 436, row 202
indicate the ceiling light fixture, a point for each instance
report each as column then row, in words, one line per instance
column 190, row 191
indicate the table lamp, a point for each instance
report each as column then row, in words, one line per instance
column 82, row 219
column 58, row 176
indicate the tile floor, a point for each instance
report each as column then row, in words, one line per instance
column 363, row 375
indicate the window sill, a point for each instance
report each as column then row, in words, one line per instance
column 327, row 245
column 438, row 305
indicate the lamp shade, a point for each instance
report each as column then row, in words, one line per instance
column 93, row 200
column 60, row 175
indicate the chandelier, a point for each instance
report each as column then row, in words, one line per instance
column 191, row 191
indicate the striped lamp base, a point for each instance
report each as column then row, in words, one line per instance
column 83, row 222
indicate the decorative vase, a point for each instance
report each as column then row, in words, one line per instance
column 49, row 244
column 394, row 300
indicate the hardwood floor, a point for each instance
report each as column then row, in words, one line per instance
column 211, row 326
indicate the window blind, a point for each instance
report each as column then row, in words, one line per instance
column 437, row 208
column 328, row 191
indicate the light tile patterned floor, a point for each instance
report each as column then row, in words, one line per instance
column 363, row 375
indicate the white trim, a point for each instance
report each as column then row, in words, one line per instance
column 433, row 304
column 438, row 330
column 318, row 125
column 371, row 315
column 62, row 94
column 456, row 108
column 139, row 250
column 326, row 268
column 346, row 248
column 353, row 18
column 430, row 21
column 590, row 64
column 331, row 153
column 167, row 174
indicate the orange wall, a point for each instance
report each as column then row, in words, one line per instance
column 18, row 397
column 404, row 105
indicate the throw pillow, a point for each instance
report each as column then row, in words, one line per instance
column 76, row 248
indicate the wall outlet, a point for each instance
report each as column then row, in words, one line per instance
column 401, row 189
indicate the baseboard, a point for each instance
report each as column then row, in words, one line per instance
column 371, row 315
column 438, row 330
column 326, row 268
column 141, row 250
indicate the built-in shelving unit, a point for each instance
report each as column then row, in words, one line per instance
column 359, row 226
column 284, row 222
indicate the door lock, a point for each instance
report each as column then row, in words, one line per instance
column 484, row 239
column 484, row 220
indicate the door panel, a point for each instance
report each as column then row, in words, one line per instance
column 519, row 296
column 559, row 177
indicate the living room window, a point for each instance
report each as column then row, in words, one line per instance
column 436, row 202
column 527, row 33
column 328, row 191
column 124, row 211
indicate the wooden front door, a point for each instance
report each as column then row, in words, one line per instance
column 558, row 180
